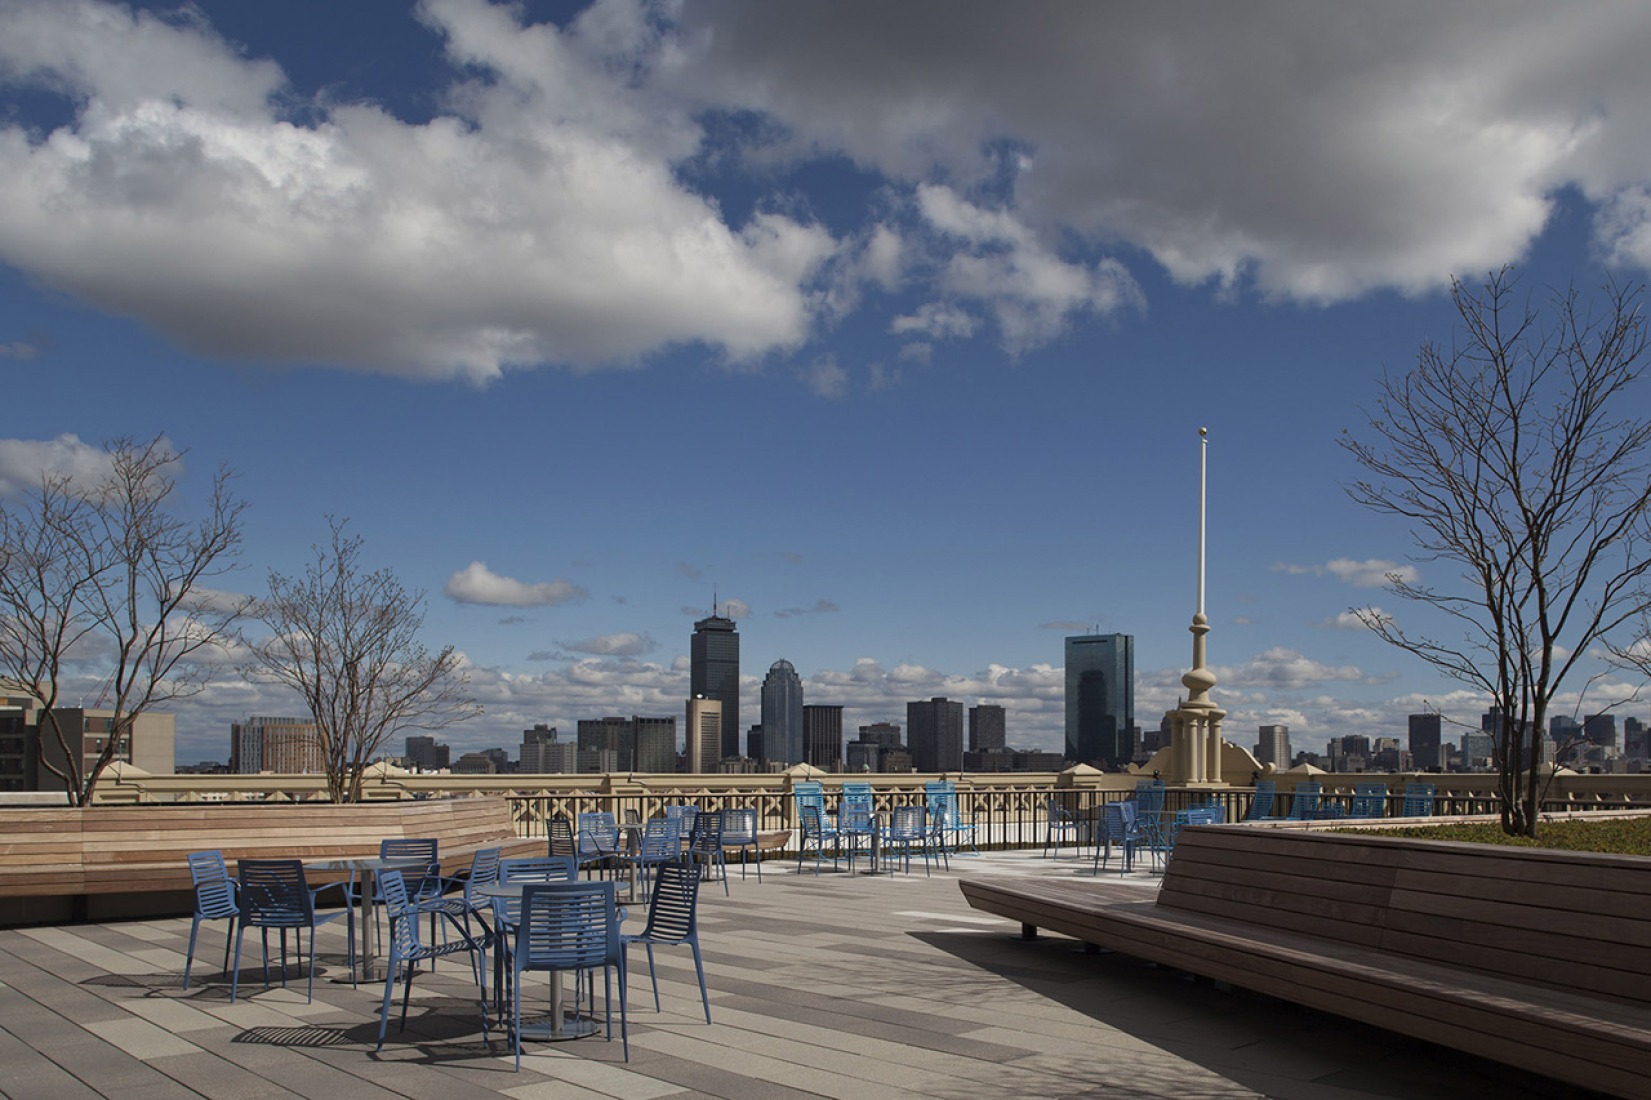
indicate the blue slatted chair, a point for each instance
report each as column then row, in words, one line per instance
column 956, row 831
column 908, row 828
column 466, row 905
column 856, row 829
column 1418, row 800
column 739, row 830
column 1261, row 803
column 598, row 837
column 683, row 814
column 214, row 900
column 1117, row 828
column 1304, row 802
column 1149, row 813
column 1059, row 823
column 1369, row 800
column 569, row 926
column 274, row 894
column 705, row 844
column 673, row 921
column 562, row 841
column 407, row 950
column 659, row 844
column 813, row 830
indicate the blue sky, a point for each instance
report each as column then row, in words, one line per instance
column 891, row 327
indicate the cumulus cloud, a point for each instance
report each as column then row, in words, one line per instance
column 1372, row 573
column 23, row 462
column 825, row 378
column 478, row 584
column 1283, row 668
column 1313, row 151
column 536, row 219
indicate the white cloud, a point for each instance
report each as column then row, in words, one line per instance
column 1354, row 618
column 23, row 462
column 825, row 378
column 936, row 321
column 1372, row 573
column 1285, row 669
column 623, row 644
column 821, row 607
column 536, row 220
column 1314, row 151
column 476, row 583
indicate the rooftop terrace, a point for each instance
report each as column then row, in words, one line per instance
column 836, row 985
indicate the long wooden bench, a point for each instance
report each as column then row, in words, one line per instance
column 102, row 861
column 1535, row 958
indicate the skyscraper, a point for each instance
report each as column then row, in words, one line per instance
column 782, row 714
column 987, row 728
column 1100, row 698
column 704, row 734
column 1273, row 746
column 934, row 734
column 823, row 736
column 714, row 672
column 1426, row 742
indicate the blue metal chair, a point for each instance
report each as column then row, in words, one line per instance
column 1304, row 802
column 214, row 900
column 673, row 921
column 467, row 904
column 1261, row 803
column 1149, row 812
column 813, row 830
column 274, row 894
column 1117, row 827
column 569, row 926
column 1369, row 800
column 739, row 830
column 908, row 828
column 1418, row 800
column 1059, row 824
column 705, row 844
column 954, row 830
column 856, row 829
column 683, row 814
column 562, row 841
column 407, row 950
column 659, row 844
column 598, row 838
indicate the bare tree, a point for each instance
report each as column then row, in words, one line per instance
column 347, row 641
column 100, row 579
column 1518, row 458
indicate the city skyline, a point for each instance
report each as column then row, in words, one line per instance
column 591, row 318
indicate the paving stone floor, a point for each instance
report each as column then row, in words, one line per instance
column 836, row 985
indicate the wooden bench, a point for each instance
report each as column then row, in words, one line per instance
column 1535, row 958
column 58, row 864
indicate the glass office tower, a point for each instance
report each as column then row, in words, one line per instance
column 1100, row 698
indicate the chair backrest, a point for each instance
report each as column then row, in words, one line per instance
column 1418, row 800
column 811, row 819
column 856, row 818
column 739, row 826
column 567, row 926
column 673, row 912
column 1304, row 801
column 422, row 850
column 660, row 838
column 707, row 834
column 856, row 793
column 274, row 894
column 392, row 890
column 633, row 816
column 214, row 889
column 598, row 833
column 1261, row 805
column 539, row 869
column 1055, row 811
column 808, row 794
column 561, row 837
column 1149, row 796
column 907, row 822
column 484, row 870
column 1369, row 800
column 1118, row 820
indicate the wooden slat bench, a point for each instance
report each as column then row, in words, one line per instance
column 58, row 864
column 1535, row 958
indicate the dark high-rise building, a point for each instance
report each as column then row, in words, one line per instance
column 782, row 714
column 655, row 744
column 988, row 728
column 1273, row 746
column 1635, row 742
column 614, row 736
column 934, row 734
column 714, row 672
column 1427, row 742
column 823, row 736
column 1600, row 729
column 1100, row 698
